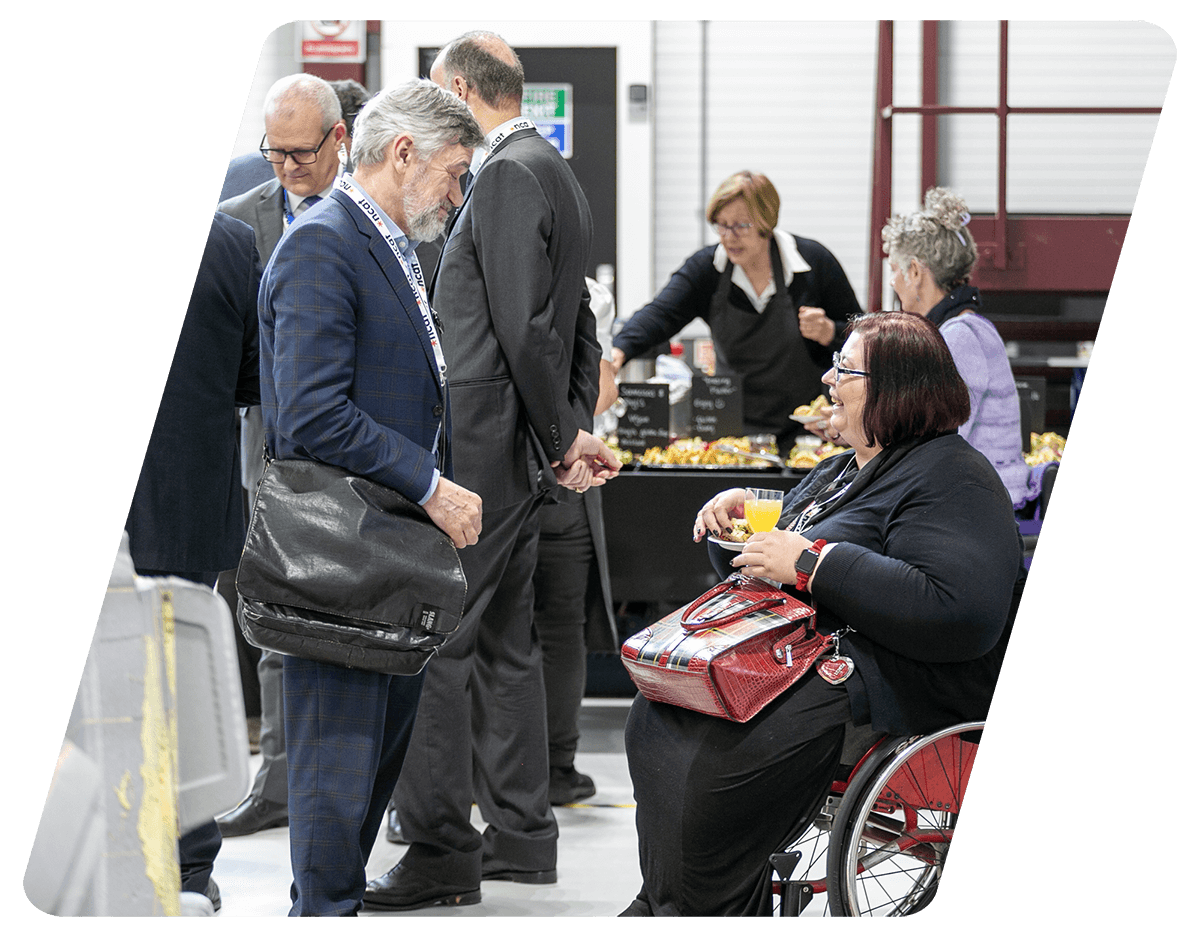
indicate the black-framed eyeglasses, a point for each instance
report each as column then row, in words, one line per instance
column 302, row 157
column 737, row 230
column 839, row 370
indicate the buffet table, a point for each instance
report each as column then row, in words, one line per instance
column 648, row 518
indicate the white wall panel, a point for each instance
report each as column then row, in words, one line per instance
column 1056, row 163
column 796, row 100
column 679, row 227
column 793, row 100
column 278, row 58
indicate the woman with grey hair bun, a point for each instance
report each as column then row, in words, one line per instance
column 931, row 254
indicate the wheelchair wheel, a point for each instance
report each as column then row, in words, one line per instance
column 889, row 841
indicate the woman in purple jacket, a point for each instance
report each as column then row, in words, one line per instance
column 931, row 253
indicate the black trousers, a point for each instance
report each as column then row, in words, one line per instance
column 560, row 585
column 716, row 798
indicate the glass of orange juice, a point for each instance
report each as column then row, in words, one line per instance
column 762, row 508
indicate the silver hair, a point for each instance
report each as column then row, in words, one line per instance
column 303, row 88
column 433, row 118
column 936, row 237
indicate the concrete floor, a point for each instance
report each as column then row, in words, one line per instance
column 598, row 872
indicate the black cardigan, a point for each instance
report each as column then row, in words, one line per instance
column 927, row 571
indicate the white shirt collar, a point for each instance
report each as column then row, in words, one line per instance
column 494, row 134
column 294, row 201
column 501, row 129
column 789, row 258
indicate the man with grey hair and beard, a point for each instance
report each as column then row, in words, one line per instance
column 354, row 376
column 524, row 377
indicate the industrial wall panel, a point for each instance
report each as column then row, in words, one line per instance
column 802, row 113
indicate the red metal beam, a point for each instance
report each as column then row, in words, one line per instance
column 929, row 98
column 1059, row 253
column 1000, row 258
column 881, row 169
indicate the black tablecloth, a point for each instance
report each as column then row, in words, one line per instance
column 648, row 519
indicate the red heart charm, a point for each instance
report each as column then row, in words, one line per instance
column 835, row 669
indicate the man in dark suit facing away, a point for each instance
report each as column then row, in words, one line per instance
column 524, row 364
column 353, row 376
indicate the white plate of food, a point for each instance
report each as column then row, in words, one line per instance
column 727, row 544
column 806, row 415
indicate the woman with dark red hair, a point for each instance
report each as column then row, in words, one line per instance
column 906, row 545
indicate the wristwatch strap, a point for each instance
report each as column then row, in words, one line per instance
column 806, row 563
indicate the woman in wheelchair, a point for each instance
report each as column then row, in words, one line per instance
column 907, row 548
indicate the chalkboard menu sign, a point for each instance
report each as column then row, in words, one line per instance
column 646, row 422
column 717, row 406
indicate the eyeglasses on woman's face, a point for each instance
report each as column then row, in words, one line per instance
column 839, row 371
column 732, row 230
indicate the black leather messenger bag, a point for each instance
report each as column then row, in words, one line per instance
column 340, row 569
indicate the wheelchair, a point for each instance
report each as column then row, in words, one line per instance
column 879, row 844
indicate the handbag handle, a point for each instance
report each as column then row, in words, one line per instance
column 704, row 622
column 726, row 585
column 717, row 591
column 781, row 651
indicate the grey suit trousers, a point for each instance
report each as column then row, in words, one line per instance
column 270, row 782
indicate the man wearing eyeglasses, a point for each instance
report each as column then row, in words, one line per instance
column 304, row 131
column 302, row 117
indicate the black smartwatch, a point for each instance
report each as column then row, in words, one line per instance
column 806, row 563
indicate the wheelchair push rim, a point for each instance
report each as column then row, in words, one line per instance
column 889, row 841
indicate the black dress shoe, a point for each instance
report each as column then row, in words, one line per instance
column 568, row 785
column 402, row 889
column 252, row 815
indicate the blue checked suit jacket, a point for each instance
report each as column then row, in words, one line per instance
column 348, row 376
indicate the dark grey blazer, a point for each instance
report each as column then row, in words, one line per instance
column 262, row 209
column 244, row 173
column 520, row 337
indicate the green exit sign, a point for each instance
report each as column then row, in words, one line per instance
column 546, row 101
column 549, row 107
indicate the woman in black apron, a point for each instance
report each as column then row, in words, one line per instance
column 776, row 305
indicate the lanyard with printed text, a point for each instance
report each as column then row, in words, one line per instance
column 522, row 123
column 412, row 271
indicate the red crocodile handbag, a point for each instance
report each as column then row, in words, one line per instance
column 729, row 653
